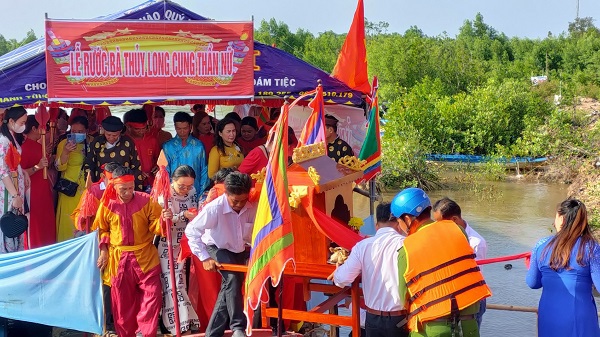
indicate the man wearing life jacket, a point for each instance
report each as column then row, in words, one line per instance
column 448, row 209
column 439, row 277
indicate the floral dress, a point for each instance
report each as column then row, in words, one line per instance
column 187, row 315
column 8, row 245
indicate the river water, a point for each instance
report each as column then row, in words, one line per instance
column 512, row 217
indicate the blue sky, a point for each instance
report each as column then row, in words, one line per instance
column 523, row 18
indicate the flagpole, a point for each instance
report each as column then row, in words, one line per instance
column 372, row 196
column 372, row 188
column 280, row 286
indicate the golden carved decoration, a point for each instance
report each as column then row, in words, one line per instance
column 259, row 176
column 353, row 163
column 295, row 198
column 307, row 152
column 314, row 175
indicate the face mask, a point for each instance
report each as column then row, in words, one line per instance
column 19, row 129
column 79, row 137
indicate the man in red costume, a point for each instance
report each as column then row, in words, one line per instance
column 146, row 144
column 127, row 221
column 97, row 190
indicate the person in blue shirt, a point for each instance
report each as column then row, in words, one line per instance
column 184, row 149
column 567, row 266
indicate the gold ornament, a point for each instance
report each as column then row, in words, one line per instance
column 295, row 198
column 353, row 163
column 307, row 152
column 314, row 175
column 259, row 176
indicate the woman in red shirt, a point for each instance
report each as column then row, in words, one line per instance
column 202, row 130
column 42, row 225
column 258, row 158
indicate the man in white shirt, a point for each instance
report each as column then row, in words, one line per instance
column 220, row 234
column 448, row 209
column 376, row 258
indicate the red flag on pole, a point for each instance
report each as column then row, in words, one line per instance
column 351, row 65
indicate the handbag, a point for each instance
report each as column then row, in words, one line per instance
column 66, row 187
column 13, row 224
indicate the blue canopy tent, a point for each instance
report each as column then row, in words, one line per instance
column 277, row 73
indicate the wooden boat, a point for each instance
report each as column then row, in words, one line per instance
column 523, row 163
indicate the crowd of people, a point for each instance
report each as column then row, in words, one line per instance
column 422, row 262
column 115, row 161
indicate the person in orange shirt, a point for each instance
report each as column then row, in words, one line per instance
column 97, row 190
column 127, row 221
column 146, row 144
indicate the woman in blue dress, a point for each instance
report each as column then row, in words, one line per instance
column 566, row 266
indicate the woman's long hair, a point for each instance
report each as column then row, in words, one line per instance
column 575, row 226
column 218, row 139
column 13, row 113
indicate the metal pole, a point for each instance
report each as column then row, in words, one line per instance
column 372, row 196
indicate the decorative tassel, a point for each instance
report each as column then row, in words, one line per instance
column 89, row 205
column 162, row 185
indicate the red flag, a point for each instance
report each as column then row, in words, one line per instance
column 351, row 65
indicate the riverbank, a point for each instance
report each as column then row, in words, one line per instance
column 579, row 166
column 586, row 187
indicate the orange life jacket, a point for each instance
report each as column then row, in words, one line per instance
column 441, row 274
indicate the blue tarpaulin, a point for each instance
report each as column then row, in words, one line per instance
column 276, row 74
column 57, row 285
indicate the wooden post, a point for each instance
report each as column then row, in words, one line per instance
column 172, row 262
column 52, row 131
column 43, row 134
column 355, row 295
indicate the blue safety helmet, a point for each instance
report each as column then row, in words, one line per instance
column 411, row 201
